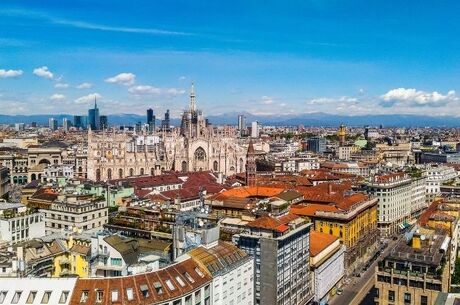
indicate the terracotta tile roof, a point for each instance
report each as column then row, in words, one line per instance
column 146, row 287
column 310, row 209
column 252, row 191
column 272, row 223
column 320, row 241
column 84, row 250
column 218, row 258
column 425, row 217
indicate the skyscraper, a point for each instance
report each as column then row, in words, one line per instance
column 165, row 124
column 151, row 119
column 241, row 124
column 94, row 120
column 53, row 124
column 104, row 121
column 255, row 129
column 80, row 121
column 65, row 124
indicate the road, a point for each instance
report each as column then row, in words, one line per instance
column 356, row 290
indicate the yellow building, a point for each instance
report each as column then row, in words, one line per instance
column 353, row 219
column 74, row 261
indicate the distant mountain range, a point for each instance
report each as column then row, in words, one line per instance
column 306, row 119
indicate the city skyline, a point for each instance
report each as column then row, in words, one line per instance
column 312, row 56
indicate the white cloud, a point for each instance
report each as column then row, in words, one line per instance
column 267, row 100
column 145, row 90
column 413, row 97
column 182, row 78
column 328, row 100
column 57, row 97
column 85, row 86
column 61, row 86
column 88, row 98
column 43, row 72
column 10, row 73
column 101, row 27
column 127, row 79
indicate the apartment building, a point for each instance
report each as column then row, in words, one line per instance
column 415, row 271
column 75, row 211
column 436, row 175
column 394, row 192
column 280, row 249
column 18, row 223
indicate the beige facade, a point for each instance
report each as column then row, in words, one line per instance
column 196, row 146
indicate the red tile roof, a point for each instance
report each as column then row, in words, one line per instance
column 320, row 241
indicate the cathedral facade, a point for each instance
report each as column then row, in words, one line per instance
column 195, row 146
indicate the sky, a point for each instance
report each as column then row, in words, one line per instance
column 263, row 57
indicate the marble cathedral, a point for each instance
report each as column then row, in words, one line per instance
column 195, row 146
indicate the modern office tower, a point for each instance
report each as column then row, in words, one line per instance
column 151, row 119
column 255, row 129
column 33, row 124
column 66, row 124
column 19, row 126
column 415, row 271
column 280, row 248
column 52, row 124
column 316, row 145
column 166, row 123
column 104, row 121
column 94, row 120
column 80, row 121
column 241, row 124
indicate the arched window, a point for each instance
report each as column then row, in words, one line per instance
column 200, row 154
column 120, row 173
column 33, row 177
column 109, row 174
column 184, row 166
column 241, row 165
column 131, row 172
column 142, row 171
column 215, row 166
column 98, row 174
column 152, row 172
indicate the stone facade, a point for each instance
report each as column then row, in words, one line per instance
column 195, row 146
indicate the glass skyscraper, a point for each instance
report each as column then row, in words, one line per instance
column 94, row 120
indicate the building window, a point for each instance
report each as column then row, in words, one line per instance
column 129, row 294
column 64, row 297
column 99, row 296
column 16, row 297
column 114, row 295
column 391, row 295
column 84, row 296
column 31, row 297
column 407, row 298
column 3, row 296
column 423, row 300
column 46, row 297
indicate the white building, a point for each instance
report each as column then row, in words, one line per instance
column 395, row 198
column 18, row 223
column 52, row 172
column 436, row 175
column 72, row 212
column 254, row 130
column 36, row 290
column 327, row 261
column 232, row 271
column 418, row 196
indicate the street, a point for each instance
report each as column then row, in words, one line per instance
column 358, row 287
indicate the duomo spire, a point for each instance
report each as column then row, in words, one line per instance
column 192, row 98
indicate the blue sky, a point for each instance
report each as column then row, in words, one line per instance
column 265, row 57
